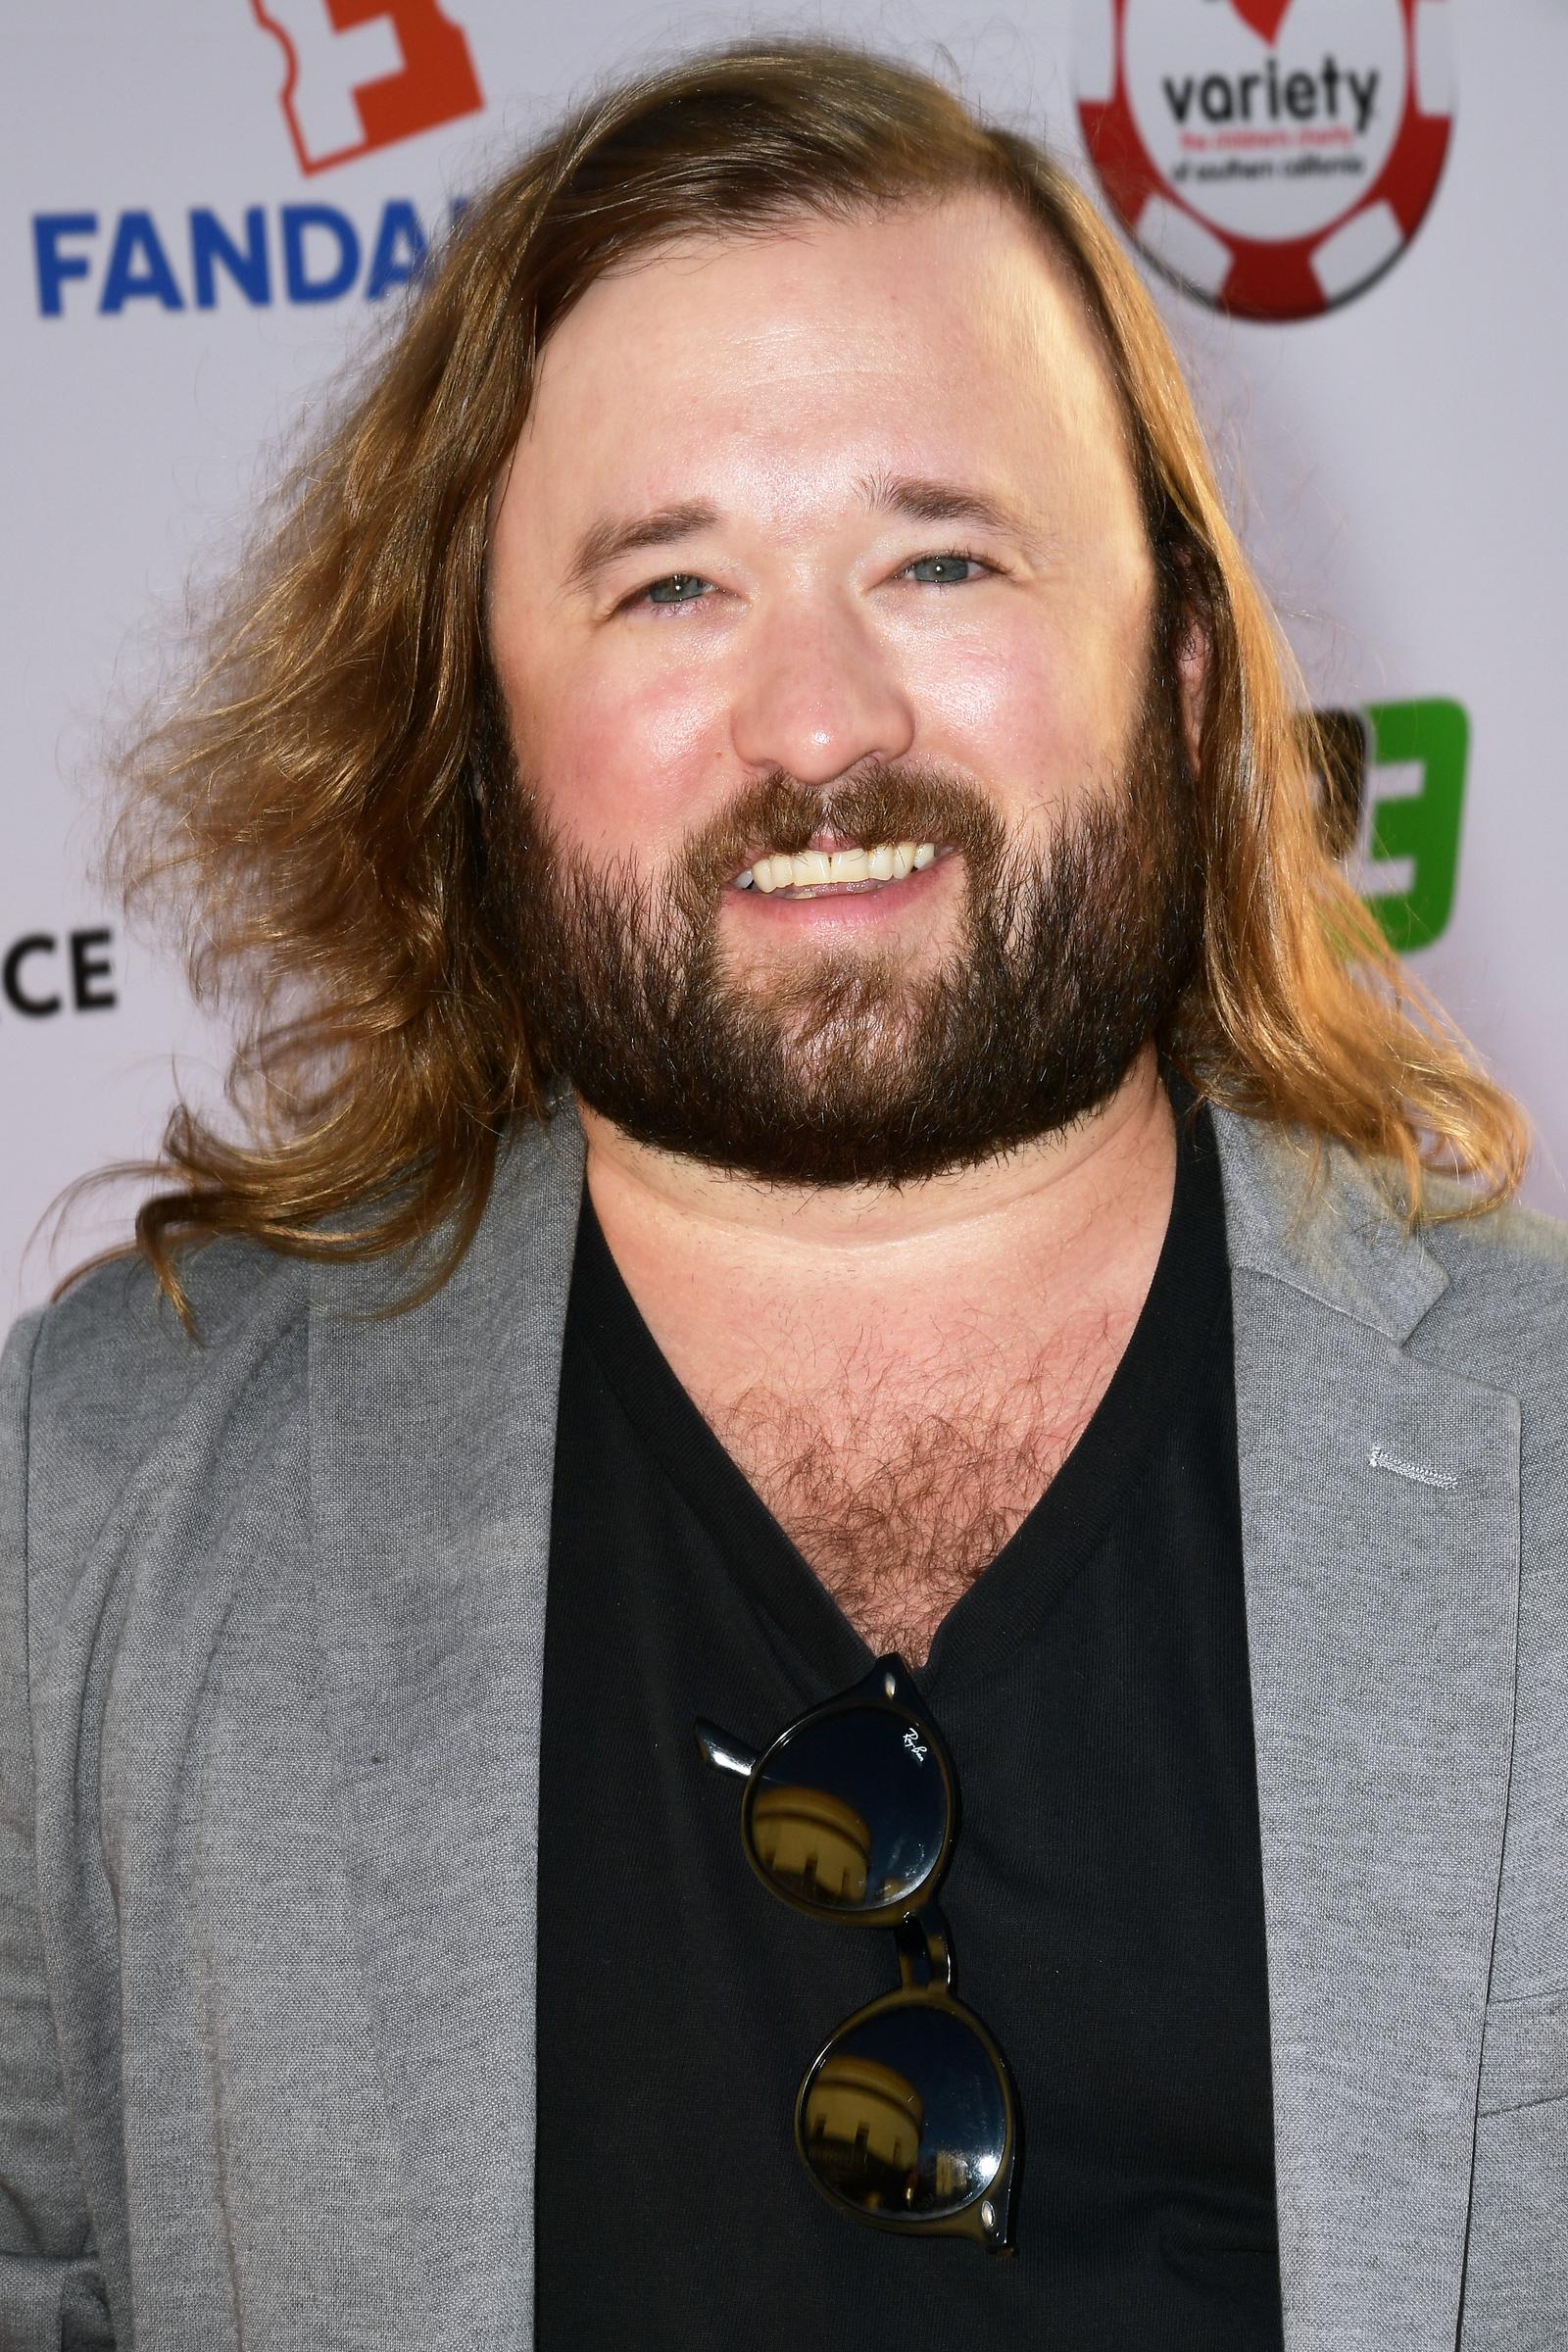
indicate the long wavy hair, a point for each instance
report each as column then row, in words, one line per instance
column 312, row 808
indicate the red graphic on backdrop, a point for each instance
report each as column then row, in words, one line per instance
column 1265, row 17
column 364, row 73
column 1275, row 186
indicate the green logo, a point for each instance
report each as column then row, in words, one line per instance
column 1415, row 815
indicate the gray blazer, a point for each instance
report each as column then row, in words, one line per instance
column 271, row 1620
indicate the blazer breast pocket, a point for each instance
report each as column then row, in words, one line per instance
column 1517, row 2272
column 1524, row 2056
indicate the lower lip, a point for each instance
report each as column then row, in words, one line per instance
column 850, row 906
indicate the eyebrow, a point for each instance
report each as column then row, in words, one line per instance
column 927, row 501
column 614, row 536
column 917, row 496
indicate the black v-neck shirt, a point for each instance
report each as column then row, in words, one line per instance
column 1104, row 1897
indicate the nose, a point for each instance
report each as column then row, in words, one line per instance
column 817, row 694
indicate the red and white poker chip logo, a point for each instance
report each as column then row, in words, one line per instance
column 1273, row 157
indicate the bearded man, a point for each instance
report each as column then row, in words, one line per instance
column 832, row 1209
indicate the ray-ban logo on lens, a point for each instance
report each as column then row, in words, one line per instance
column 911, row 1741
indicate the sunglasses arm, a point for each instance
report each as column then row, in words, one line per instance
column 725, row 1754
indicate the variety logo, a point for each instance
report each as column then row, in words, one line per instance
column 1417, row 756
column 363, row 74
column 44, row 972
column 1273, row 157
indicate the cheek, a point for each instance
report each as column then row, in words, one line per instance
column 621, row 764
column 1030, row 702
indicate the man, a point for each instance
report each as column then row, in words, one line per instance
column 796, row 992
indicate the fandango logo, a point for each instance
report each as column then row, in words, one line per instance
column 297, row 253
column 364, row 73
column 360, row 75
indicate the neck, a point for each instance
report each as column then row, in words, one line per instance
column 725, row 1268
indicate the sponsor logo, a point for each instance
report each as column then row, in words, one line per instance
column 43, row 974
column 289, row 253
column 358, row 76
column 1392, row 795
column 1273, row 157
column 361, row 76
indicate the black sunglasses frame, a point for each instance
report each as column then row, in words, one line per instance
column 924, row 1946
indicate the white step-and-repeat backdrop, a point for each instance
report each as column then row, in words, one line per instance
column 1352, row 212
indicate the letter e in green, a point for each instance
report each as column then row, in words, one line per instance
column 1423, row 825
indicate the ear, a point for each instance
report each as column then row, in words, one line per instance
column 1190, row 650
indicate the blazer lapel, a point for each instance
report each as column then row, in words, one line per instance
column 1379, row 1523
column 1380, row 1538
column 433, row 1440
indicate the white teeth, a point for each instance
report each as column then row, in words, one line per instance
column 848, row 865
column 816, row 870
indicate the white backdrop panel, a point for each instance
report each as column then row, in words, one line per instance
column 188, row 262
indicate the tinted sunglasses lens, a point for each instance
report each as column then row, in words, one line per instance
column 849, row 1813
column 904, row 2113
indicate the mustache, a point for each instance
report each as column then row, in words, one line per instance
column 882, row 802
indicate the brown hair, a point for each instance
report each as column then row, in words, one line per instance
column 316, row 805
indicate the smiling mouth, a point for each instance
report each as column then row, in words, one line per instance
column 812, row 873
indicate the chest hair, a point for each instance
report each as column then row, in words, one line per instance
column 898, row 1495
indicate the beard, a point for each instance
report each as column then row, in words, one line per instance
column 850, row 1065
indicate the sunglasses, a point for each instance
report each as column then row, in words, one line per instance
column 906, row 2117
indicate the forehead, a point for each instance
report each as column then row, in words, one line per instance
column 825, row 349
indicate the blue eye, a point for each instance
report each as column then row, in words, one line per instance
column 677, row 581
column 944, row 570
